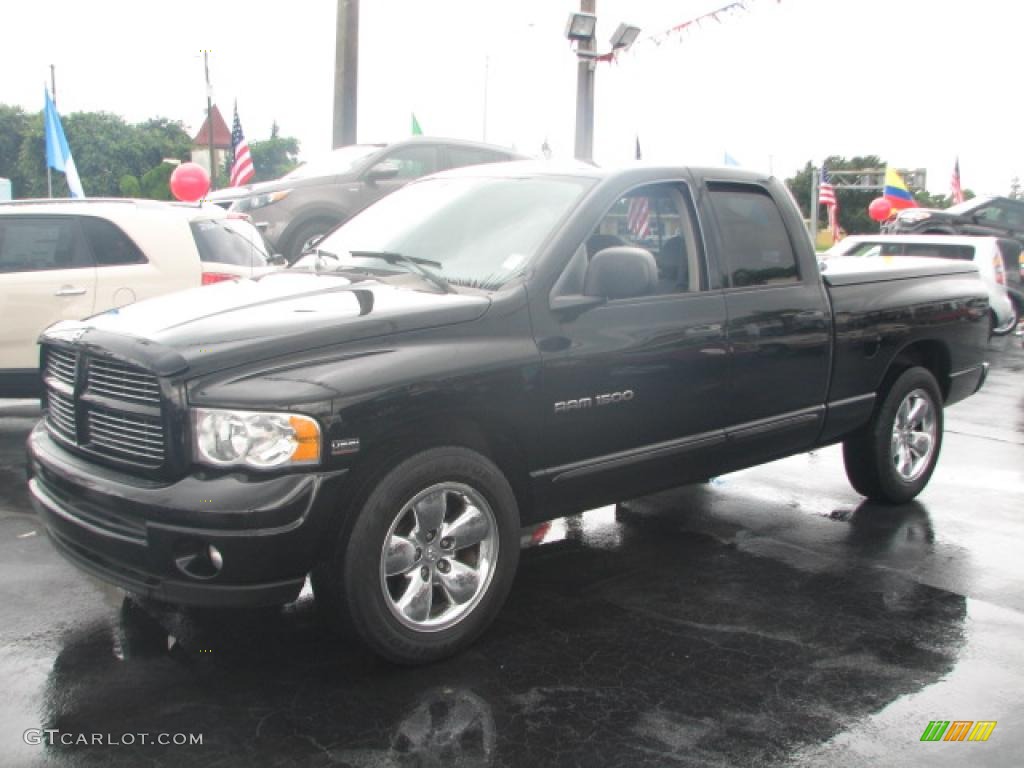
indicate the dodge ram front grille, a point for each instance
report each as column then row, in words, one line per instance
column 61, row 415
column 62, row 365
column 113, row 410
column 132, row 437
column 123, row 382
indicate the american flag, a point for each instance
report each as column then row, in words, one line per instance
column 242, row 169
column 827, row 197
column 958, row 192
column 639, row 220
column 826, row 192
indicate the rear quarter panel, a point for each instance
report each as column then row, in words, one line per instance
column 876, row 321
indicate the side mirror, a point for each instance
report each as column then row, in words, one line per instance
column 621, row 272
column 277, row 260
column 385, row 169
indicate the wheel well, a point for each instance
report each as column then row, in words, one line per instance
column 296, row 227
column 418, row 435
column 932, row 355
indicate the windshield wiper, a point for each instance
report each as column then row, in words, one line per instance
column 414, row 263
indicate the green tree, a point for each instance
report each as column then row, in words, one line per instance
column 853, row 204
column 274, row 157
column 13, row 123
column 130, row 186
column 156, row 182
column 105, row 148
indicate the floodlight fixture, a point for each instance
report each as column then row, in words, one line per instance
column 581, row 26
column 625, row 35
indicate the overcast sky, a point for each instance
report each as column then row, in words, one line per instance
column 917, row 82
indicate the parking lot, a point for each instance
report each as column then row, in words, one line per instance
column 770, row 617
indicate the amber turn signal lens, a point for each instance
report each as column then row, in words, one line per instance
column 307, row 435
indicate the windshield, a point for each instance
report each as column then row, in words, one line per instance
column 480, row 232
column 339, row 161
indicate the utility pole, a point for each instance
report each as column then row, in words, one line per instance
column 346, row 73
column 585, row 92
column 53, row 95
column 209, row 120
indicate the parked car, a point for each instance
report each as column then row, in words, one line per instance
column 68, row 259
column 295, row 210
column 985, row 252
column 1013, row 265
column 475, row 354
column 986, row 216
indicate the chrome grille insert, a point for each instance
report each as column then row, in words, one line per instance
column 61, row 414
column 62, row 365
column 126, row 436
column 122, row 382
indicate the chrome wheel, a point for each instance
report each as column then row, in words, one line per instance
column 913, row 435
column 439, row 556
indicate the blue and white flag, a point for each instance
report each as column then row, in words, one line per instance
column 58, row 155
column 730, row 160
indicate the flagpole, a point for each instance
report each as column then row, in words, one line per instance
column 814, row 207
column 209, row 119
column 53, row 95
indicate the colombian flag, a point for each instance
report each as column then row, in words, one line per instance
column 896, row 191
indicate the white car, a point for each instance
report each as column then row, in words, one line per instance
column 983, row 251
column 68, row 259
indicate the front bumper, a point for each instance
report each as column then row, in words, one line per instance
column 154, row 539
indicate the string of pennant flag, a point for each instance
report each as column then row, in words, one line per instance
column 682, row 30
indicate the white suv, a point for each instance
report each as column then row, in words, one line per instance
column 66, row 260
column 983, row 251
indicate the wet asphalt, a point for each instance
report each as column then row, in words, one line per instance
column 771, row 617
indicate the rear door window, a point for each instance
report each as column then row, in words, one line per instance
column 756, row 245
column 110, row 246
column 229, row 241
column 41, row 244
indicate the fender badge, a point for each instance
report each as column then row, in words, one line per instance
column 345, row 446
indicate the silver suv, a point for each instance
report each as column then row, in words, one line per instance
column 295, row 210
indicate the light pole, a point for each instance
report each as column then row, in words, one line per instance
column 581, row 29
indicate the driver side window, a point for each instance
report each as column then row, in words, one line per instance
column 412, row 162
column 656, row 219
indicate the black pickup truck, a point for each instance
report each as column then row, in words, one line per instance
column 483, row 350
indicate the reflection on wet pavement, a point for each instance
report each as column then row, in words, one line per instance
column 769, row 617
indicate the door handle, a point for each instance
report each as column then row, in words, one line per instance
column 70, row 290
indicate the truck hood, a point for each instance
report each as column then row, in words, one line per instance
column 226, row 324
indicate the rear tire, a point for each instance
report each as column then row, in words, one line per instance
column 1010, row 325
column 429, row 559
column 892, row 458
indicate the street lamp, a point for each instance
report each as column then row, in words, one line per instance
column 581, row 29
column 581, row 26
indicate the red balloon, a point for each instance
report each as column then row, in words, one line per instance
column 189, row 182
column 879, row 209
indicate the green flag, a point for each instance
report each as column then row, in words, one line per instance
column 416, row 130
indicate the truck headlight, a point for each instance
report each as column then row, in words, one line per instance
column 252, row 439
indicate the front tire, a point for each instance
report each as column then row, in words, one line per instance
column 302, row 239
column 892, row 458
column 429, row 558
